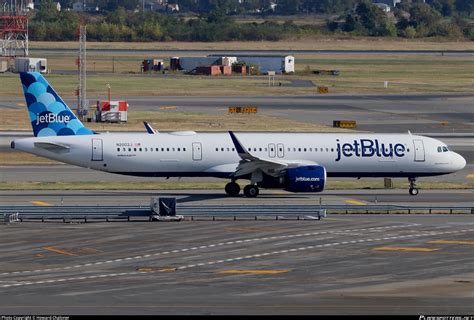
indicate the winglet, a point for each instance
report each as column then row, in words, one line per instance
column 238, row 146
column 149, row 128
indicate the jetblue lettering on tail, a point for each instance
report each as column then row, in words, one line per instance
column 49, row 115
column 297, row 162
column 369, row 148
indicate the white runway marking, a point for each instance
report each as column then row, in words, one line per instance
column 77, row 266
column 26, row 283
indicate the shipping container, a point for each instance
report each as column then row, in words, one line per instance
column 189, row 64
column 226, row 70
column 208, row 70
column 239, row 69
column 152, row 65
column 265, row 63
column 3, row 66
column 26, row 64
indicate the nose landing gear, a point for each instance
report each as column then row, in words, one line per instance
column 413, row 189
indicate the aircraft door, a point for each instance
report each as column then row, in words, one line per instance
column 271, row 150
column 280, row 150
column 419, row 150
column 97, row 150
column 197, row 151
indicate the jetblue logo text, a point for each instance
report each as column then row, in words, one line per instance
column 306, row 179
column 51, row 117
column 369, row 148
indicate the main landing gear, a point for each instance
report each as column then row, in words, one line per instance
column 413, row 189
column 233, row 189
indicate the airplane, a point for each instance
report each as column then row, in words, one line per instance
column 296, row 162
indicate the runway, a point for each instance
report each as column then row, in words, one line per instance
column 381, row 264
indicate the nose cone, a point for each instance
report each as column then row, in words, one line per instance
column 458, row 162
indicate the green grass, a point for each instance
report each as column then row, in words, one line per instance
column 358, row 74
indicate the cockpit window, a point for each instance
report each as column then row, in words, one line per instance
column 445, row 149
column 440, row 149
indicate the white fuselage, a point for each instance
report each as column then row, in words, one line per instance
column 213, row 154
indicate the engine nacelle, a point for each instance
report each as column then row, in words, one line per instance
column 305, row 179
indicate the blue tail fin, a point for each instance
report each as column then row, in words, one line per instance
column 49, row 114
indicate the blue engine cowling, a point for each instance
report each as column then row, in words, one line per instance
column 305, row 179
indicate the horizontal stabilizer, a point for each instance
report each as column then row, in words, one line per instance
column 51, row 146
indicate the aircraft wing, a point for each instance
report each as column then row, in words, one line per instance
column 251, row 163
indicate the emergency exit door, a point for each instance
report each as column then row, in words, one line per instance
column 97, row 151
column 197, row 151
column 419, row 150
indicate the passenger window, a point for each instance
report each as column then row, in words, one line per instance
column 124, row 149
column 310, row 149
column 179, row 149
column 162, row 149
column 315, row 149
column 157, row 149
column 129, row 149
column 299, row 149
column 168, row 149
column 322, row 149
column 222, row 149
column 304, row 149
column 217, row 149
column 135, row 149
column 327, row 149
column 228, row 149
column 233, row 149
column 146, row 149
column 118, row 149
column 184, row 149
column 173, row 149
column 259, row 149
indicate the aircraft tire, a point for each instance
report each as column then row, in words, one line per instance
column 251, row 191
column 413, row 191
column 232, row 189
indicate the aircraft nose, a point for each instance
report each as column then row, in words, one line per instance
column 459, row 162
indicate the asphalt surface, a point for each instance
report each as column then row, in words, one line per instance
column 69, row 173
column 460, row 197
column 343, row 264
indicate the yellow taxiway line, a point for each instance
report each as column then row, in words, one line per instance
column 41, row 203
column 470, row 176
column 60, row 251
column 356, row 202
